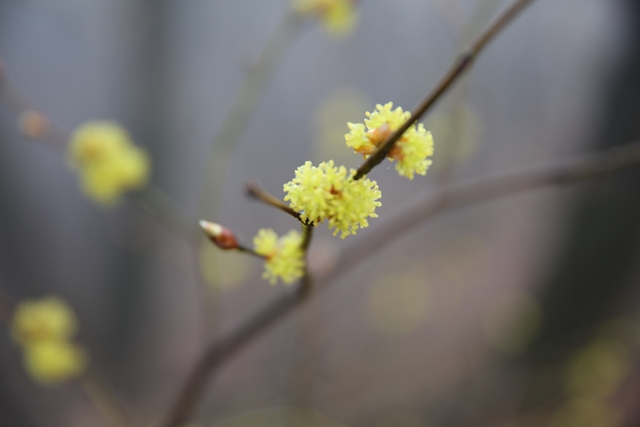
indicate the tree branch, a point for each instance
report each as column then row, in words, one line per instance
column 467, row 193
column 558, row 172
column 219, row 352
column 456, row 70
column 222, row 350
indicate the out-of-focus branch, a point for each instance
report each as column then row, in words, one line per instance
column 222, row 350
column 452, row 75
column 29, row 120
column 244, row 105
column 159, row 206
column 105, row 400
column 37, row 126
column 451, row 13
column 466, row 193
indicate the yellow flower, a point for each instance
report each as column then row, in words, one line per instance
column 329, row 192
column 412, row 149
column 108, row 162
column 43, row 329
column 284, row 258
column 54, row 361
column 338, row 16
column 44, row 320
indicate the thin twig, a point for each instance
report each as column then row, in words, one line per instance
column 244, row 106
column 21, row 107
column 451, row 14
column 254, row 190
column 222, row 350
column 248, row 250
column 484, row 189
column 159, row 206
column 104, row 398
column 467, row 193
column 456, row 70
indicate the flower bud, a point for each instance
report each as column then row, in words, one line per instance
column 221, row 236
column 33, row 124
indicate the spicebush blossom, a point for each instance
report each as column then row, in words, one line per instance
column 412, row 149
column 329, row 192
column 107, row 160
column 284, row 258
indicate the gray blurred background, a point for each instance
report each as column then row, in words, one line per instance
column 471, row 320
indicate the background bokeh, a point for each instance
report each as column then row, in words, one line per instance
column 520, row 311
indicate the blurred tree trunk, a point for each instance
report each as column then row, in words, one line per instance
column 143, row 110
column 592, row 271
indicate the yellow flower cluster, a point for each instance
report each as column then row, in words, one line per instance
column 412, row 149
column 44, row 329
column 108, row 162
column 329, row 192
column 284, row 258
column 338, row 16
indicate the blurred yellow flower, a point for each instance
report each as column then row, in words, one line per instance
column 598, row 369
column 108, row 162
column 43, row 320
column 412, row 149
column 329, row 192
column 586, row 413
column 54, row 361
column 337, row 16
column 284, row 258
column 44, row 329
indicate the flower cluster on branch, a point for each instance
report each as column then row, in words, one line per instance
column 329, row 192
column 412, row 149
column 332, row 193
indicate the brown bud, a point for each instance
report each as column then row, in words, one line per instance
column 221, row 236
column 33, row 124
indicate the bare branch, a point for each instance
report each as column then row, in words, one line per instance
column 467, row 193
column 104, row 398
column 222, row 350
column 421, row 209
